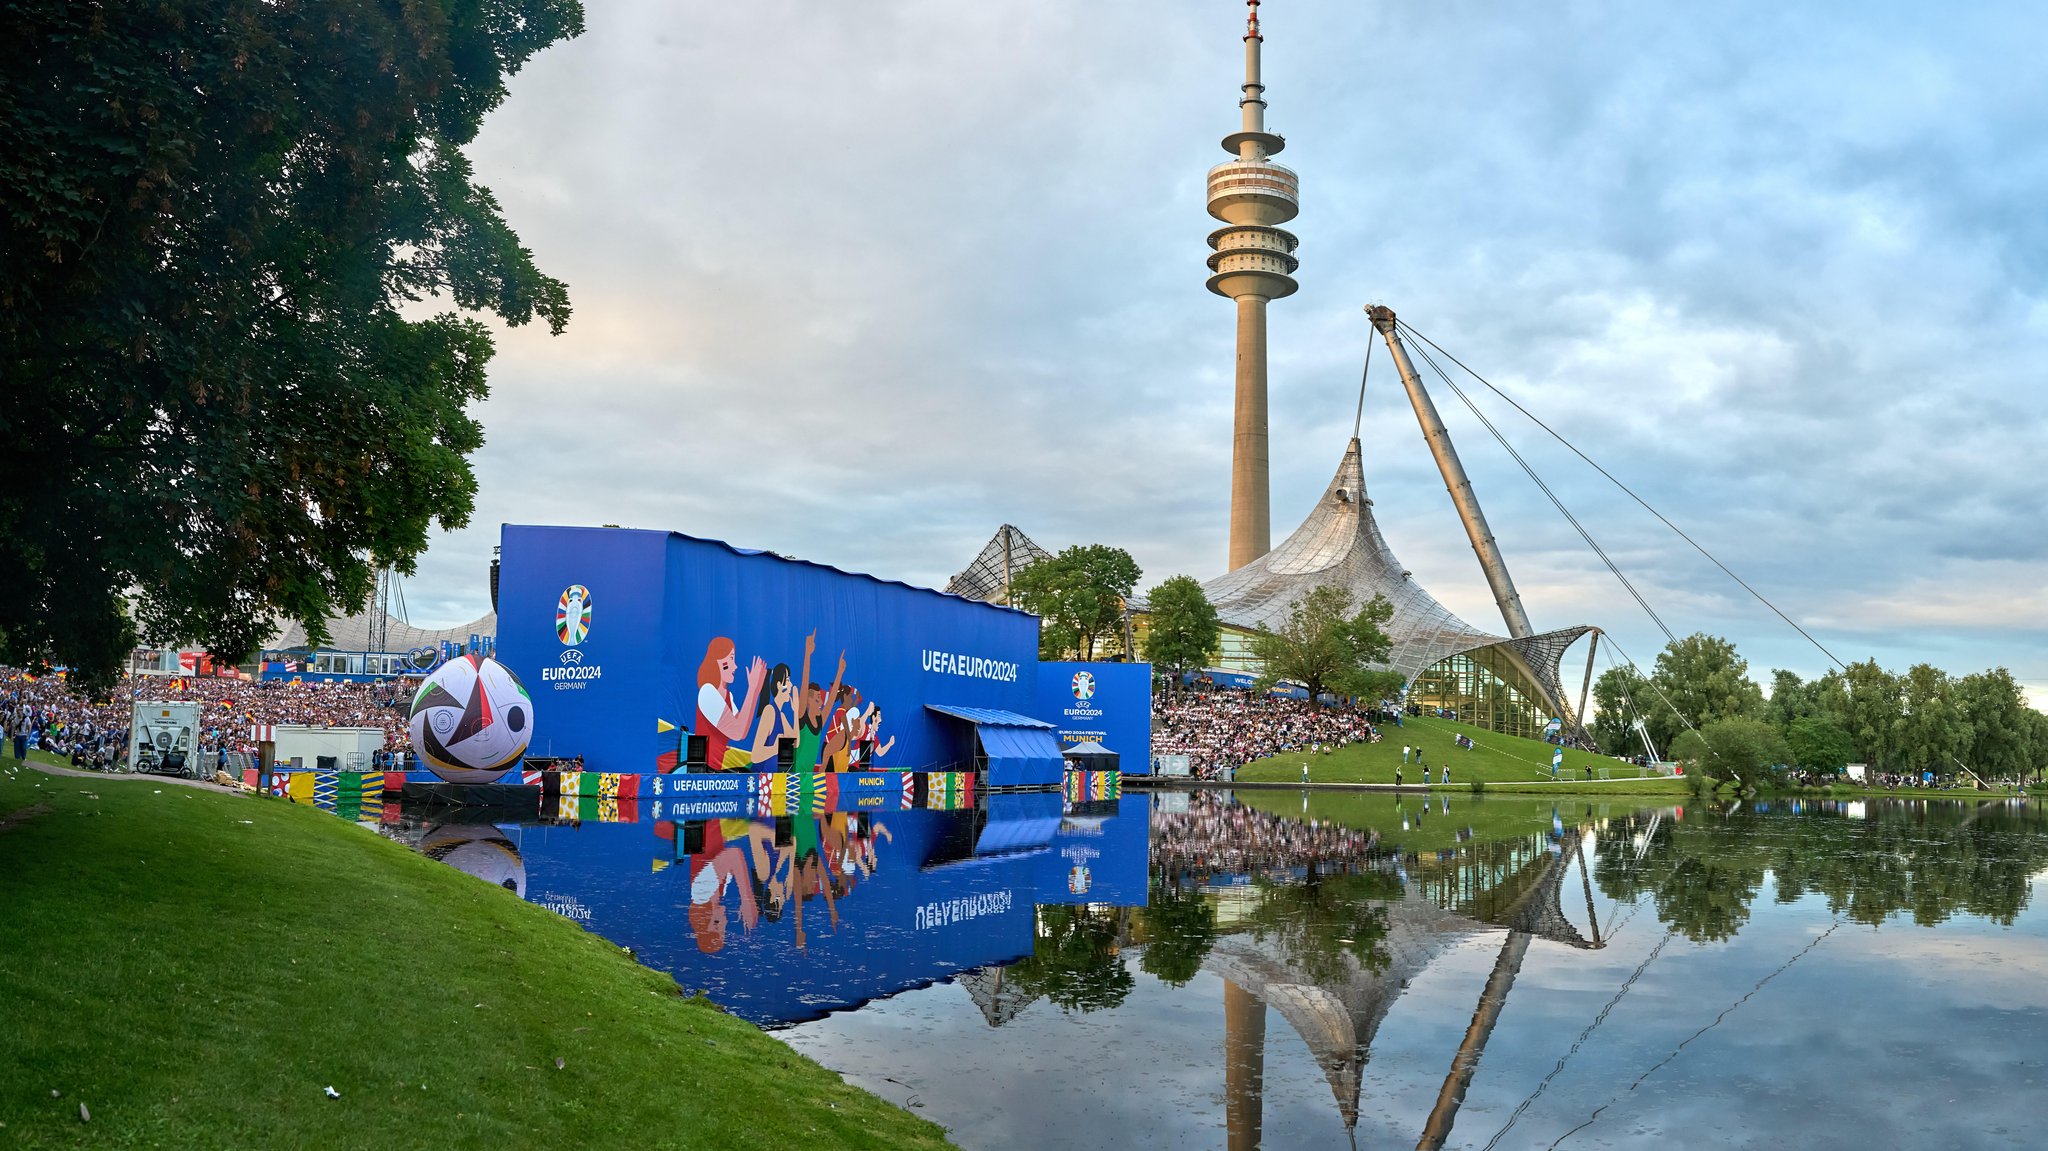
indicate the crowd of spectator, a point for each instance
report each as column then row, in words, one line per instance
column 1216, row 835
column 45, row 714
column 1221, row 729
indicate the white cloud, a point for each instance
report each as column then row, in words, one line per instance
column 860, row 283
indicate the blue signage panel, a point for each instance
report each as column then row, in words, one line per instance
column 580, row 614
column 1110, row 703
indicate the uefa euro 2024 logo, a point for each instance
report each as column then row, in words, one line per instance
column 572, row 615
column 1084, row 686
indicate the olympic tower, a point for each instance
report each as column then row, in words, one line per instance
column 1253, row 264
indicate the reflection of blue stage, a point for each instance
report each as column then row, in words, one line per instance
column 784, row 918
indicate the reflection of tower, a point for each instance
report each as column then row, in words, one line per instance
column 1253, row 264
column 1244, row 1065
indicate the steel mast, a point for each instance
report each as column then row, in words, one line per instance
column 1460, row 485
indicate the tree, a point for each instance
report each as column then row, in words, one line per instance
column 1791, row 699
column 1934, row 731
column 1325, row 645
column 1819, row 743
column 1733, row 747
column 1184, row 634
column 214, row 215
column 1997, row 711
column 1704, row 678
column 1078, row 596
column 1866, row 701
column 1619, row 695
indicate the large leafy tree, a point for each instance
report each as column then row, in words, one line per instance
column 1184, row 634
column 1791, row 698
column 1867, row 701
column 1819, row 743
column 1732, row 747
column 1619, row 696
column 1704, row 679
column 1326, row 645
column 221, row 219
column 1934, row 729
column 1998, row 712
column 1079, row 597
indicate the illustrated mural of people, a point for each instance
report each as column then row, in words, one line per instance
column 719, row 721
column 839, row 730
column 775, row 720
column 869, row 747
column 813, row 726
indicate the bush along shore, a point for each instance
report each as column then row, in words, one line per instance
column 181, row 967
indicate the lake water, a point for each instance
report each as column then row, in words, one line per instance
column 1293, row 970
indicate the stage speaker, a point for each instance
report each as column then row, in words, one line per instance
column 785, row 754
column 693, row 752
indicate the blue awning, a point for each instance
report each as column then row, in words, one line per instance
column 1020, row 751
column 988, row 715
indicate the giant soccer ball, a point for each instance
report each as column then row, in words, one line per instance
column 471, row 720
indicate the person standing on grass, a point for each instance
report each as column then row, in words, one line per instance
column 1425, row 775
column 1404, row 753
column 1304, row 773
column 1397, row 779
column 1447, row 775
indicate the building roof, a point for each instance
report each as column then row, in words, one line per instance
column 1340, row 544
column 352, row 633
column 986, row 578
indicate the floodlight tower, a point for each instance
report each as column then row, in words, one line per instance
column 1253, row 264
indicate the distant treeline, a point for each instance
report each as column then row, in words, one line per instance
column 1699, row 703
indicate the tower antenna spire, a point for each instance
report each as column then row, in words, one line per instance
column 1253, row 264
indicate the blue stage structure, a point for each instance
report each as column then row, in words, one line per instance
column 657, row 652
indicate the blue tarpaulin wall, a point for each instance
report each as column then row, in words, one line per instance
column 665, row 611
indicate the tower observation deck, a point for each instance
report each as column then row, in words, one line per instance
column 1253, row 263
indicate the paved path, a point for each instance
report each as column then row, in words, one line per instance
column 116, row 776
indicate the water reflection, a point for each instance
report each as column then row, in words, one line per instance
column 1290, row 970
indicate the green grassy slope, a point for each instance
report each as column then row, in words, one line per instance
column 197, row 968
column 1417, row 823
column 1497, row 759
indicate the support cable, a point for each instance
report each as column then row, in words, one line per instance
column 1358, row 420
column 1551, row 495
column 1576, row 526
column 1630, row 492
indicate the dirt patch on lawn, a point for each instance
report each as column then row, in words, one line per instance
column 22, row 815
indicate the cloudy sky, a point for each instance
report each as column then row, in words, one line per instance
column 860, row 282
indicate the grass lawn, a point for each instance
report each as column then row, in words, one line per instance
column 1419, row 823
column 197, row 968
column 1496, row 759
